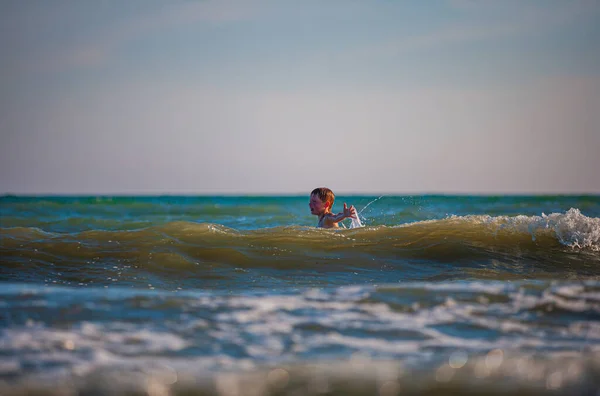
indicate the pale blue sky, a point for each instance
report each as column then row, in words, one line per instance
column 243, row 96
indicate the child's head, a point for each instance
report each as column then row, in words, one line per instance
column 321, row 200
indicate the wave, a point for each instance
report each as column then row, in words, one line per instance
column 571, row 229
column 481, row 246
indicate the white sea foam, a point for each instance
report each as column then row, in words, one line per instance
column 571, row 228
column 273, row 329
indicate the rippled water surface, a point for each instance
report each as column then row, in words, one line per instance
column 242, row 295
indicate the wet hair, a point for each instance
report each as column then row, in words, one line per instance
column 324, row 194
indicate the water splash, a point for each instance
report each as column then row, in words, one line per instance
column 356, row 223
column 367, row 205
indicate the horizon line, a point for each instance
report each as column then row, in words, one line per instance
column 299, row 194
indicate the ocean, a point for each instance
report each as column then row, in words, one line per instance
column 222, row 295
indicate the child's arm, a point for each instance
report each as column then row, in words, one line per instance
column 348, row 212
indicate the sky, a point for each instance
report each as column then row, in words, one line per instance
column 280, row 97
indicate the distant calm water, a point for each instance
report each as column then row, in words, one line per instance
column 243, row 296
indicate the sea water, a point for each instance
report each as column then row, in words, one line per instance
column 243, row 295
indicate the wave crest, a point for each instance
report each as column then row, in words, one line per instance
column 572, row 228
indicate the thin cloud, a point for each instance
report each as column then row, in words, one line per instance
column 498, row 21
column 102, row 46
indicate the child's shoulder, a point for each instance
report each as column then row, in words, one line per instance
column 326, row 220
column 329, row 219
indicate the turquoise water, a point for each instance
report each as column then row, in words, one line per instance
column 243, row 295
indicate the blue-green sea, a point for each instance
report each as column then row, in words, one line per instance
column 223, row 295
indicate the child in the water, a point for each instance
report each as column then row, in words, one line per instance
column 321, row 201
